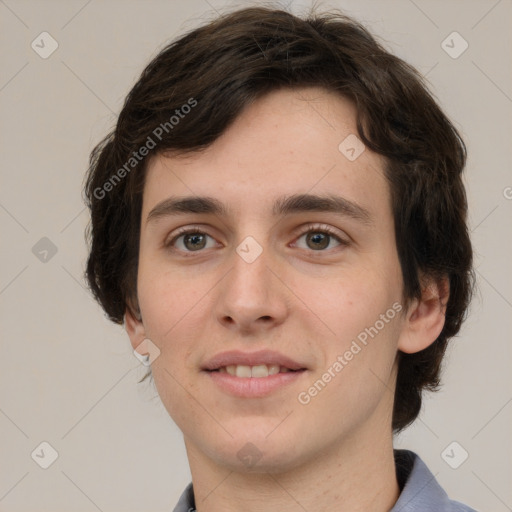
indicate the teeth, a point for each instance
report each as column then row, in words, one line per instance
column 243, row 371
column 258, row 371
column 273, row 369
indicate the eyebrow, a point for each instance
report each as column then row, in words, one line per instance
column 284, row 205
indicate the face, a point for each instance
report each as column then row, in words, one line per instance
column 315, row 284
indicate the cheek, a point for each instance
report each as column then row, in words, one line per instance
column 165, row 297
column 355, row 372
column 363, row 312
column 170, row 308
column 350, row 302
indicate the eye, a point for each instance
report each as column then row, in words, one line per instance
column 319, row 238
column 191, row 240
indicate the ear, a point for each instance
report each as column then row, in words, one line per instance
column 134, row 327
column 425, row 317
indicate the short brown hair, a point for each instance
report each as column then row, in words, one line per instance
column 239, row 57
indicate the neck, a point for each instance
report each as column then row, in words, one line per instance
column 354, row 475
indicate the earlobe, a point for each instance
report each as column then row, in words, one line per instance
column 134, row 327
column 425, row 317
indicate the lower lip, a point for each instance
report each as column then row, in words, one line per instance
column 253, row 387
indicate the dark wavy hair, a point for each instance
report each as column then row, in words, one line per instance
column 231, row 61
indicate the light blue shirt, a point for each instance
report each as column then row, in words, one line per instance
column 419, row 490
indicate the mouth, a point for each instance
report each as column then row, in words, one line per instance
column 252, row 364
column 257, row 371
column 253, row 374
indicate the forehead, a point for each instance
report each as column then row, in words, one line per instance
column 287, row 142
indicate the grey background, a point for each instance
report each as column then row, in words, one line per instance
column 68, row 376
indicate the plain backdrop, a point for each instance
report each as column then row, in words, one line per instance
column 68, row 377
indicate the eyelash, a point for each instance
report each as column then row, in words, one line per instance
column 317, row 228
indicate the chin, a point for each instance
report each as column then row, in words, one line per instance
column 258, row 454
column 250, row 459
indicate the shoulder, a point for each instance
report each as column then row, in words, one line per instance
column 420, row 491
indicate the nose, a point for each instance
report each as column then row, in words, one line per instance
column 252, row 296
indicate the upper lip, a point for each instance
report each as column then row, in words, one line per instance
column 236, row 357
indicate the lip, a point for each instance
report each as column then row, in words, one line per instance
column 236, row 357
column 253, row 387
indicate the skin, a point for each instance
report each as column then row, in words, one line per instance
column 336, row 452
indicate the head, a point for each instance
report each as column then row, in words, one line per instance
column 247, row 110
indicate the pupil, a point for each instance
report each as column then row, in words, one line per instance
column 194, row 238
column 316, row 238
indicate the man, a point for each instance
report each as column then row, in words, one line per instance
column 279, row 221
